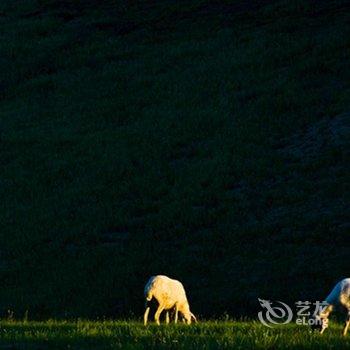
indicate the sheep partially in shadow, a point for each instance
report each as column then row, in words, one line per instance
column 338, row 298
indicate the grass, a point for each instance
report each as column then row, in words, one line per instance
column 133, row 335
column 203, row 141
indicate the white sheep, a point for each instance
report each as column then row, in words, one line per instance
column 170, row 294
column 338, row 298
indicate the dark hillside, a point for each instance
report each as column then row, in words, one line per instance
column 208, row 141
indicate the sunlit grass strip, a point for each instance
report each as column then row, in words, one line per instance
column 131, row 334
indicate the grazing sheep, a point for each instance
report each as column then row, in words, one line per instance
column 170, row 294
column 338, row 298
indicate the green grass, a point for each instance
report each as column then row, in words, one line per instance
column 202, row 141
column 133, row 335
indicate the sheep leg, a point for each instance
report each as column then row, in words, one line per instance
column 347, row 324
column 346, row 327
column 157, row 314
column 167, row 317
column 176, row 313
column 145, row 316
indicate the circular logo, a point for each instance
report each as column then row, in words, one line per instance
column 274, row 315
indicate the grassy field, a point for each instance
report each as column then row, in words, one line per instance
column 133, row 335
column 208, row 141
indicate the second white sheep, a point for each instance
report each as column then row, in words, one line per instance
column 338, row 298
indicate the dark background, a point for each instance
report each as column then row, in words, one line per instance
column 204, row 140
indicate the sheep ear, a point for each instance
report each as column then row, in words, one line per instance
column 194, row 317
